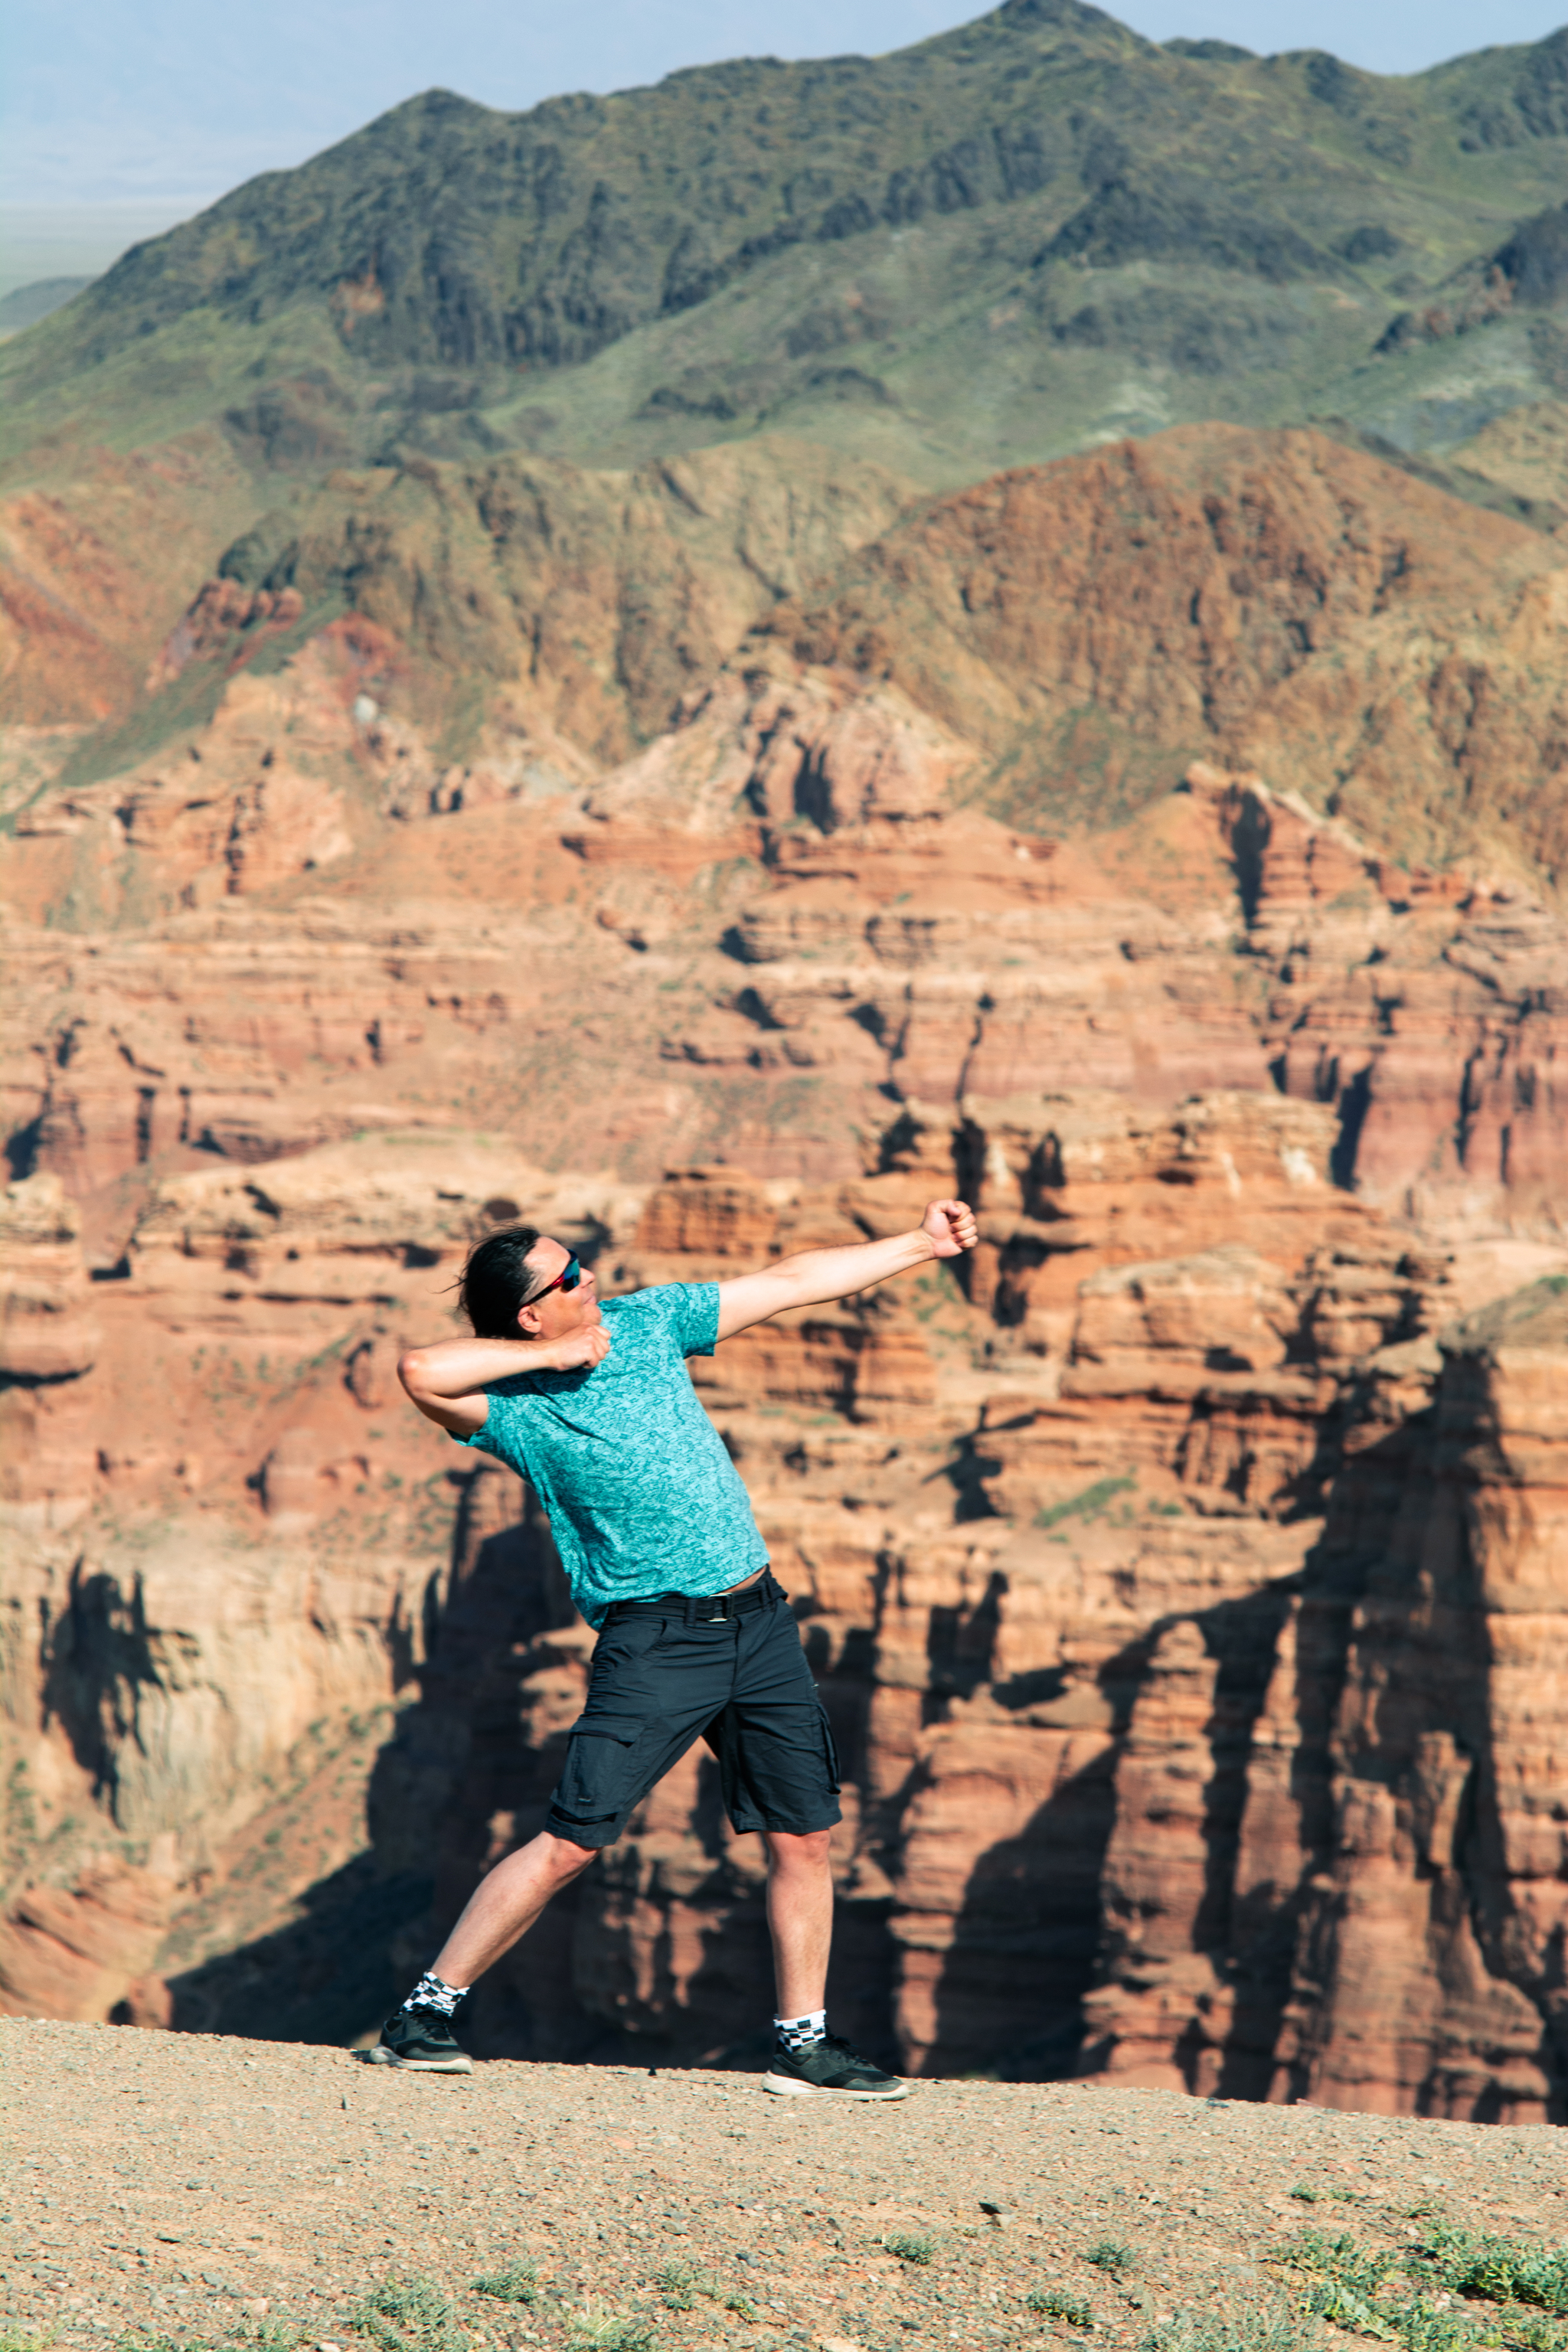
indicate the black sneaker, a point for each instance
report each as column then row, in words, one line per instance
column 423, row 2039
column 829, row 2069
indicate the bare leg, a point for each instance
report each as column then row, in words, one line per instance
column 506, row 1903
column 800, row 1918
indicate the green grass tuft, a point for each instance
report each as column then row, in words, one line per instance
column 519, row 2282
column 1268, row 2328
column 1332, row 2299
column 1093, row 1499
column 1112, row 2255
column 269, row 2335
column 680, row 2283
column 408, row 2316
column 597, row 2328
column 910, row 2248
column 1369, row 2291
column 1361, row 2269
column 1497, row 2269
column 1055, row 2303
column 1535, row 2332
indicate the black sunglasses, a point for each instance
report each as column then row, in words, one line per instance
column 570, row 1275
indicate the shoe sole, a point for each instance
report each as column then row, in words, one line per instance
column 789, row 2087
column 381, row 2057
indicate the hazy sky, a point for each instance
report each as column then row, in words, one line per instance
column 161, row 105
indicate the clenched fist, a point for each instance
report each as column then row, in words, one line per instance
column 950, row 1227
column 579, row 1351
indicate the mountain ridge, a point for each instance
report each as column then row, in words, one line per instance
column 1273, row 600
column 843, row 233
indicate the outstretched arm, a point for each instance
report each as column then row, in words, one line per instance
column 947, row 1230
column 447, row 1380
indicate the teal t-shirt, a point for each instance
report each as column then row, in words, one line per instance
column 641, row 1494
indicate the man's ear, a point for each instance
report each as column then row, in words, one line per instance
column 528, row 1322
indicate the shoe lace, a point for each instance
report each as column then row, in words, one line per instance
column 842, row 2049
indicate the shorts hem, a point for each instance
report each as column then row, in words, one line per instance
column 755, row 1821
column 580, row 1832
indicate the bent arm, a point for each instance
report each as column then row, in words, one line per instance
column 813, row 1277
column 447, row 1380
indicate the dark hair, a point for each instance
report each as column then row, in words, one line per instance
column 495, row 1281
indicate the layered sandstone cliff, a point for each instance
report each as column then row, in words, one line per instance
column 1180, row 1580
column 1091, row 1562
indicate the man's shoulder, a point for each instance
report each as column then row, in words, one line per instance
column 684, row 1313
column 658, row 1300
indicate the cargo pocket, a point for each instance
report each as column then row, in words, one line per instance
column 598, row 1780
column 634, row 1637
column 830, row 1751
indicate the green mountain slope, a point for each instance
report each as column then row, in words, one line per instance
column 994, row 245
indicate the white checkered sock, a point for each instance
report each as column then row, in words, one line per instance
column 433, row 1992
column 798, row 2033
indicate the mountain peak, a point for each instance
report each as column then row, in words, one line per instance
column 1040, row 200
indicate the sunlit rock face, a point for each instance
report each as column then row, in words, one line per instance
column 1177, row 1599
column 1180, row 1574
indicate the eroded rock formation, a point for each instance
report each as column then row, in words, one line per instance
column 1110, row 1570
column 1182, row 1584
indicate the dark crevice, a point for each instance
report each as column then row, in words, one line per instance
column 1355, row 1103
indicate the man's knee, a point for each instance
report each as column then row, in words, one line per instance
column 565, row 1860
column 804, row 1850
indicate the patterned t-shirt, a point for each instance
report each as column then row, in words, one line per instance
column 641, row 1494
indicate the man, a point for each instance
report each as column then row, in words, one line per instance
column 595, row 1406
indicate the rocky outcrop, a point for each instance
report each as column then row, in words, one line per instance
column 584, row 602
column 1424, row 1976
column 49, row 1338
column 96, row 569
column 1149, row 1563
column 1091, row 1706
column 226, row 1548
column 1384, row 1913
column 1390, row 981
column 46, row 1332
column 1083, row 1560
column 1308, row 614
column 86, row 1952
column 794, row 901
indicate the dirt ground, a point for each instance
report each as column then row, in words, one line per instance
column 187, row 2190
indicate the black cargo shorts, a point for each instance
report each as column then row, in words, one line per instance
column 728, row 1669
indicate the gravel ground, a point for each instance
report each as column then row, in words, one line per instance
column 209, row 2190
